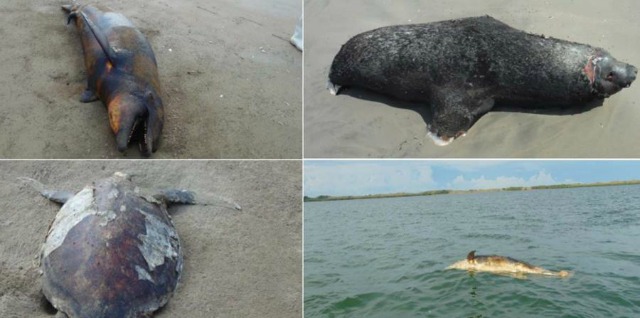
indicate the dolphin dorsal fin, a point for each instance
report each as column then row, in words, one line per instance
column 471, row 256
column 101, row 38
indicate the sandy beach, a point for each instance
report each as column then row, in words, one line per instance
column 236, row 263
column 231, row 80
column 362, row 124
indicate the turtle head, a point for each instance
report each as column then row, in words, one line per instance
column 136, row 117
column 610, row 75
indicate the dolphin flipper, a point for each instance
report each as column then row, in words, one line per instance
column 88, row 96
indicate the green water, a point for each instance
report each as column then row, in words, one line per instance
column 386, row 257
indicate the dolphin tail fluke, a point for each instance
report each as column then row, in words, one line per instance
column 71, row 9
column 100, row 36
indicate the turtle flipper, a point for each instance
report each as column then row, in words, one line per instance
column 60, row 314
column 53, row 195
column 179, row 196
column 455, row 110
column 223, row 202
column 176, row 196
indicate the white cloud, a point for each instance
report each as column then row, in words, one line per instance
column 470, row 165
column 541, row 178
column 360, row 178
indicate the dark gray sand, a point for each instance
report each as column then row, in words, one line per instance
column 236, row 263
column 231, row 80
column 346, row 126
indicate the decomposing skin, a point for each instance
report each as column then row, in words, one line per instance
column 111, row 251
column 461, row 68
column 502, row 265
column 122, row 72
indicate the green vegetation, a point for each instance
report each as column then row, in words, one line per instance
column 439, row 192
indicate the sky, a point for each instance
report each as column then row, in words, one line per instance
column 361, row 177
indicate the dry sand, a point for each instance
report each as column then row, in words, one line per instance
column 237, row 263
column 347, row 126
column 231, row 80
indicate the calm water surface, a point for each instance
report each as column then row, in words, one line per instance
column 386, row 257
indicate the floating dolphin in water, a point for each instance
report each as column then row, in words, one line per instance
column 502, row 265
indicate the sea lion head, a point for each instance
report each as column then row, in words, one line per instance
column 608, row 75
column 446, row 127
column 136, row 117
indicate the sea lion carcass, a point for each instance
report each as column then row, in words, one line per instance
column 461, row 68
column 122, row 72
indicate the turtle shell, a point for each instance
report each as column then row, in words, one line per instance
column 111, row 252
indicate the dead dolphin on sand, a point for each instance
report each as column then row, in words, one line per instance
column 122, row 72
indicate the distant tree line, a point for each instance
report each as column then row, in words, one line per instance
column 438, row 192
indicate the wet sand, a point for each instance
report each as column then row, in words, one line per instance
column 236, row 263
column 231, row 80
column 361, row 124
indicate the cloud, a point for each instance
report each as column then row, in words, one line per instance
column 470, row 165
column 541, row 178
column 361, row 178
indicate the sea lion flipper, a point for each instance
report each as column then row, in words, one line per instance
column 88, row 96
column 454, row 110
column 333, row 88
column 101, row 37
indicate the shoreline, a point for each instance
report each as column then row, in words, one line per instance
column 322, row 198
